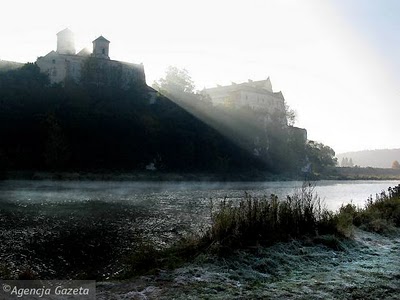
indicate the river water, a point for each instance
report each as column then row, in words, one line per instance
column 50, row 225
column 182, row 195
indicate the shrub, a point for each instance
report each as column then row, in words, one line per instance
column 346, row 218
column 331, row 241
column 380, row 215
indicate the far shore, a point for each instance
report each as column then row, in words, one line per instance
column 355, row 173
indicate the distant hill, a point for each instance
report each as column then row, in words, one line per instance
column 6, row 65
column 382, row 158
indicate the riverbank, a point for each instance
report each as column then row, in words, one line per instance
column 148, row 176
column 334, row 174
column 364, row 267
column 358, row 173
column 61, row 241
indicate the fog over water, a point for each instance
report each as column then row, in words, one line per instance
column 181, row 196
column 160, row 212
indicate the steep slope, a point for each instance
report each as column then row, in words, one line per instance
column 104, row 127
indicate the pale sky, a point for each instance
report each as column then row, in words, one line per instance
column 337, row 62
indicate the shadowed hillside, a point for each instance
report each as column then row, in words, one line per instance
column 6, row 65
column 102, row 127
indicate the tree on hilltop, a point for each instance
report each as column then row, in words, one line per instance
column 177, row 81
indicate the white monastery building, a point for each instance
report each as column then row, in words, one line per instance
column 257, row 95
column 65, row 64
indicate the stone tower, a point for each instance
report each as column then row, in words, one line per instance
column 101, row 47
column 65, row 42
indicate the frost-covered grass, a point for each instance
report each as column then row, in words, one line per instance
column 365, row 267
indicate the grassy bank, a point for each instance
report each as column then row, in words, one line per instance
column 255, row 222
column 365, row 267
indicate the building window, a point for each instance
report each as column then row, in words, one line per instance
column 103, row 51
column 53, row 61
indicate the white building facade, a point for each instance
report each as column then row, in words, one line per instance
column 257, row 95
column 65, row 64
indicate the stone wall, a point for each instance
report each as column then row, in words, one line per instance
column 60, row 67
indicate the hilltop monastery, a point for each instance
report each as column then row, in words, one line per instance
column 65, row 64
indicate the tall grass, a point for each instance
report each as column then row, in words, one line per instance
column 268, row 220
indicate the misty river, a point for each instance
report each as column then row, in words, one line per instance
column 161, row 210
column 181, row 196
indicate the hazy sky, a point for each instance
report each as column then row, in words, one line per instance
column 337, row 62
